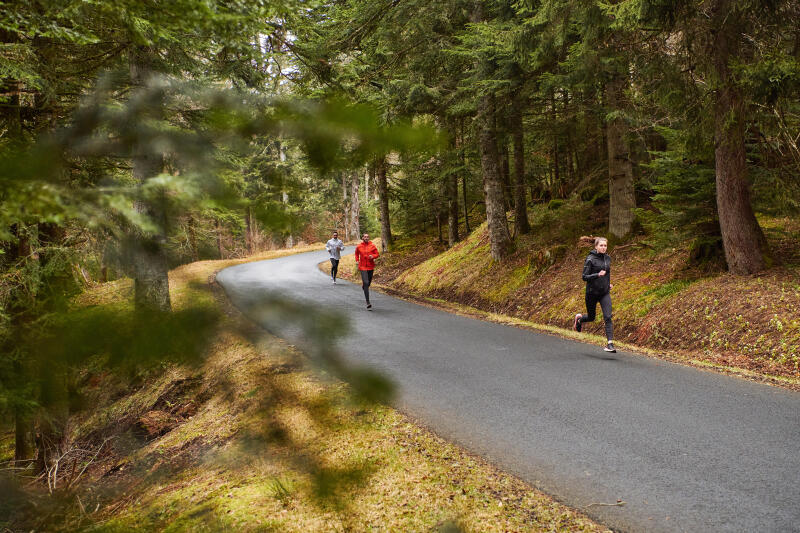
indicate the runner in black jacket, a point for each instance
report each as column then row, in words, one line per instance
column 597, row 275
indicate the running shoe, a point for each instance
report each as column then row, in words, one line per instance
column 369, row 306
column 577, row 325
column 610, row 348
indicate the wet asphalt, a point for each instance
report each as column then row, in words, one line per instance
column 685, row 449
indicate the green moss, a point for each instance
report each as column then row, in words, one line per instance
column 656, row 295
column 515, row 280
column 463, row 262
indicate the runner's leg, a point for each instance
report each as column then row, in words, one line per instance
column 366, row 279
column 591, row 308
column 334, row 268
column 605, row 305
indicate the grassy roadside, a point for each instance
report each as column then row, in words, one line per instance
column 742, row 325
column 252, row 439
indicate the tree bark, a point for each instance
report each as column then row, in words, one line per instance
column 620, row 166
column 452, row 209
column 569, row 148
column 220, row 248
column 346, row 204
column 355, row 206
column 383, row 202
column 367, row 177
column 499, row 237
column 149, row 259
column 192, row 234
column 556, row 170
column 248, row 230
column 505, row 173
column 521, row 224
column 463, row 155
column 451, row 187
column 744, row 242
column 288, row 242
column 22, row 430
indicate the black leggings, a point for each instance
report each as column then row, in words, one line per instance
column 591, row 307
column 366, row 281
column 334, row 268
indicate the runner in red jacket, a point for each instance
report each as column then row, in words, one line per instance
column 366, row 253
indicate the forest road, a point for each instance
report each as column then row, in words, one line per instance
column 685, row 449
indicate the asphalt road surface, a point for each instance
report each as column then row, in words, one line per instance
column 687, row 450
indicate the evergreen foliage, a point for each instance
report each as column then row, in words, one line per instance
column 194, row 129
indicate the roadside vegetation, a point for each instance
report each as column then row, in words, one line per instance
column 252, row 438
column 664, row 303
column 136, row 137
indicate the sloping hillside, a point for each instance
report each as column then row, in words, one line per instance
column 659, row 301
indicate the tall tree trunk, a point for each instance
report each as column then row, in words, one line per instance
column 452, row 209
column 505, row 172
column 569, row 148
column 367, row 177
column 467, row 228
column 620, row 166
column 355, row 205
column 22, row 430
column 220, row 248
column 744, row 242
column 502, row 150
column 383, row 202
column 556, row 170
column 451, row 186
column 289, row 240
column 499, row 237
column 346, row 209
column 521, row 225
column 149, row 259
column 463, row 155
column 248, row 230
column 192, row 234
column 52, row 417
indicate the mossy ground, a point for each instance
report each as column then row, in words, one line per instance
column 253, row 439
column 660, row 302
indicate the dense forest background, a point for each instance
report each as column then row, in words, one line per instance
column 136, row 136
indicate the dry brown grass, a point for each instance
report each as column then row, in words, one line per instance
column 270, row 445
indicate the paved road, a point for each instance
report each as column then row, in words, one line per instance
column 687, row 450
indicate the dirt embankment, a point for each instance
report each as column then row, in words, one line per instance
column 660, row 302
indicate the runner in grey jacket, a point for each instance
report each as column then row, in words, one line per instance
column 335, row 247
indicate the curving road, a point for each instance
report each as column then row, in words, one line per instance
column 687, row 450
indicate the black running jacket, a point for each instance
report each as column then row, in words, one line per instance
column 595, row 262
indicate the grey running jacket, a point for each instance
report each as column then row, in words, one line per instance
column 334, row 247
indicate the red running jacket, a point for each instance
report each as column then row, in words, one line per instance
column 362, row 251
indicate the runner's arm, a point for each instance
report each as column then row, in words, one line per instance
column 587, row 271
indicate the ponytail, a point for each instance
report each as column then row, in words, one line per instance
column 591, row 241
